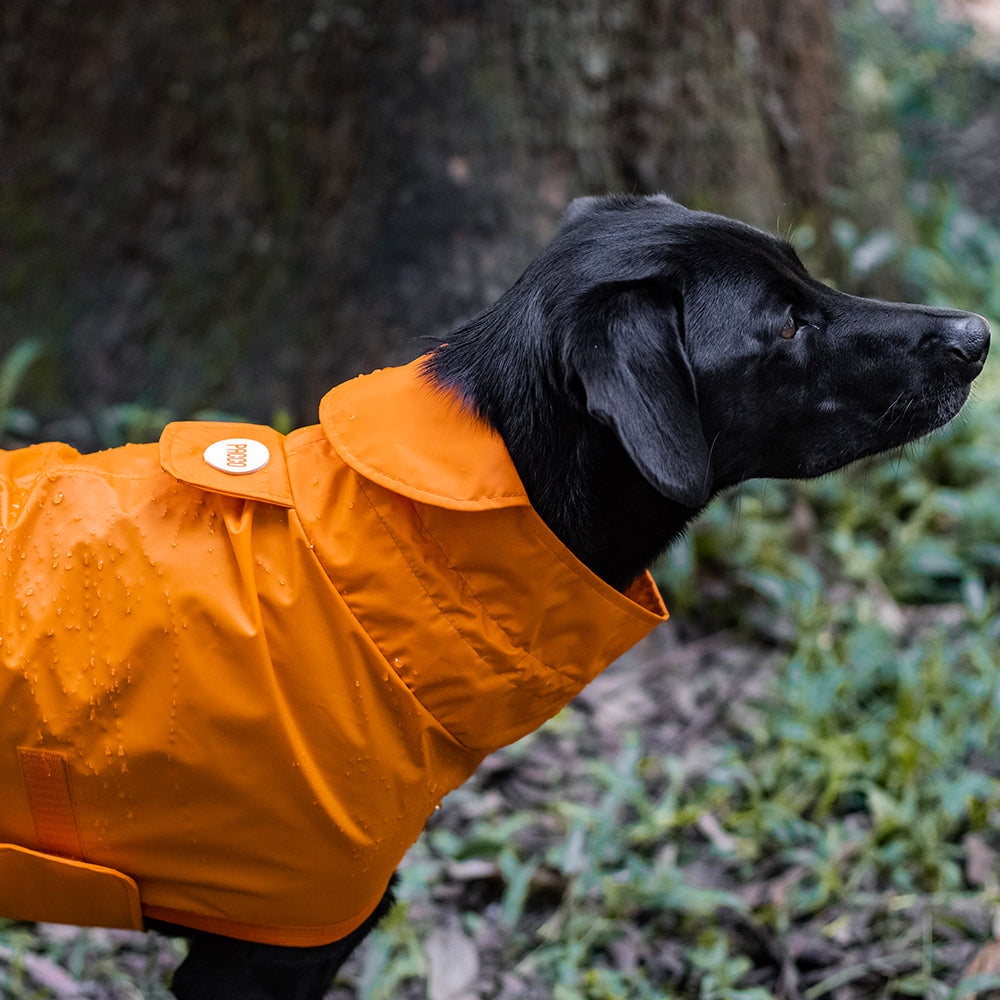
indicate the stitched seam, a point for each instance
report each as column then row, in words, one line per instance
column 626, row 603
column 294, row 513
column 423, row 587
column 444, row 614
column 420, row 583
column 270, row 498
column 308, row 935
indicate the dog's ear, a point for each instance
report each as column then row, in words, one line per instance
column 637, row 381
column 593, row 205
column 579, row 208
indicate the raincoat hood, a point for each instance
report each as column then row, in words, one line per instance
column 239, row 670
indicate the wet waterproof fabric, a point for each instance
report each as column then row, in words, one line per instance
column 230, row 699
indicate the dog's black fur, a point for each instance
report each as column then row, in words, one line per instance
column 649, row 358
column 638, row 367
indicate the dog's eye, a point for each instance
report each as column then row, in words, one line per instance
column 791, row 327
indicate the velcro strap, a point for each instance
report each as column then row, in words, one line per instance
column 37, row 886
column 183, row 448
column 54, row 883
column 47, row 782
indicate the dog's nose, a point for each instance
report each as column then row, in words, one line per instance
column 968, row 337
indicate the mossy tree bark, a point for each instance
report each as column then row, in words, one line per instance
column 235, row 205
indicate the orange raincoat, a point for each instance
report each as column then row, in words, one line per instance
column 230, row 698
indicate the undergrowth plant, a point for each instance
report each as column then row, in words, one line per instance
column 14, row 365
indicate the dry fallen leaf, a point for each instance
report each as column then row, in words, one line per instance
column 981, row 862
column 454, row 964
column 986, row 962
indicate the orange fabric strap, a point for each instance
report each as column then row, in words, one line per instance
column 46, row 778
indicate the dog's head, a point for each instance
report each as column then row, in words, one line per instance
column 715, row 357
column 703, row 350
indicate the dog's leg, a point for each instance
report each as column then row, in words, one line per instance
column 221, row 968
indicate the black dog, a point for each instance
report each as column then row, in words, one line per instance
column 649, row 358
column 653, row 356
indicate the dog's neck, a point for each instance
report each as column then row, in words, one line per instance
column 579, row 478
column 621, row 524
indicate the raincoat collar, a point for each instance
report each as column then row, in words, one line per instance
column 397, row 429
column 388, row 427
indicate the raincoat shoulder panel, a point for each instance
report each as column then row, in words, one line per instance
column 183, row 447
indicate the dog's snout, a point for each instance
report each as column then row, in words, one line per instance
column 968, row 337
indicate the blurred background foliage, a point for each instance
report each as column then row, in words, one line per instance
column 226, row 208
column 235, row 205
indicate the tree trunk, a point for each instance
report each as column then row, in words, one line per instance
column 235, row 205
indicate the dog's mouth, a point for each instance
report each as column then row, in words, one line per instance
column 837, row 434
column 906, row 420
column 873, row 419
column 916, row 417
